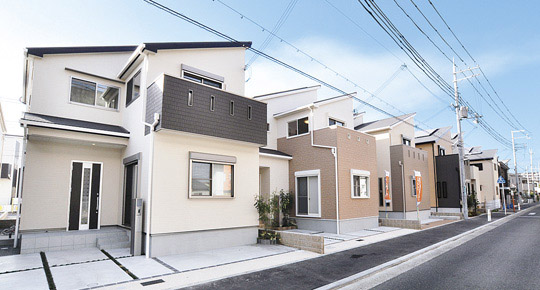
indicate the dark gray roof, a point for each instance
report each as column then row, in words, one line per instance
column 152, row 46
column 273, row 152
column 432, row 135
column 286, row 91
column 383, row 123
column 52, row 120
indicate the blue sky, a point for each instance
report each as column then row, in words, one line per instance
column 500, row 35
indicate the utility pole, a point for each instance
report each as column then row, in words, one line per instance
column 458, row 107
column 529, row 174
column 515, row 160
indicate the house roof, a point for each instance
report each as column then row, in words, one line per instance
column 431, row 136
column 273, row 152
column 286, row 91
column 319, row 102
column 151, row 46
column 483, row 155
column 387, row 123
column 40, row 120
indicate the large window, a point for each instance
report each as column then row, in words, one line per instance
column 335, row 122
column 212, row 179
column 308, row 193
column 202, row 80
column 359, row 183
column 298, row 127
column 94, row 94
column 133, row 88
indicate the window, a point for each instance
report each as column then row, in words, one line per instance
column 381, row 192
column 480, row 187
column 307, row 189
column 413, row 184
column 495, row 167
column 133, row 88
column 267, row 127
column 360, row 186
column 335, row 122
column 444, row 190
column 249, row 112
column 94, row 94
column 202, row 80
column 212, row 103
column 190, row 98
column 298, row 127
column 212, row 179
column 406, row 141
column 439, row 190
column 231, row 108
column 442, row 151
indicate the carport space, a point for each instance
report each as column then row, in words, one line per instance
column 330, row 238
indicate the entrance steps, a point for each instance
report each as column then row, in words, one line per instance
column 119, row 241
column 446, row 215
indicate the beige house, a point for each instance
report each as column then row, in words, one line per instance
column 398, row 158
column 332, row 169
column 164, row 126
column 486, row 172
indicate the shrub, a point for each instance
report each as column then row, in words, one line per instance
column 263, row 208
column 285, row 199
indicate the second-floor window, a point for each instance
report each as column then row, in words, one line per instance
column 406, row 141
column 202, row 80
column 335, row 122
column 94, row 94
column 133, row 88
column 298, row 127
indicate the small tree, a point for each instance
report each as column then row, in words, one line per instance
column 263, row 208
column 285, row 204
column 274, row 209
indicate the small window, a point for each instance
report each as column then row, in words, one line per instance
column 231, row 108
column 335, row 122
column 212, row 103
column 94, row 94
column 267, row 127
column 442, row 151
column 212, row 179
column 495, row 167
column 360, row 185
column 406, row 141
column 202, row 80
column 298, row 127
column 249, row 112
column 480, row 187
column 439, row 192
column 444, row 190
column 413, row 186
column 133, row 88
column 381, row 192
column 190, row 98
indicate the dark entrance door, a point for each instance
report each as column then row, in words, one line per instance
column 130, row 191
column 84, row 196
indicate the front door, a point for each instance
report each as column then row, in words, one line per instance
column 85, row 195
column 130, row 191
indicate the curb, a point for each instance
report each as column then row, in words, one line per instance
column 359, row 276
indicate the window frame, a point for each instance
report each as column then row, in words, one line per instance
column 413, row 186
column 231, row 108
column 190, row 98
column 307, row 173
column 336, row 121
column 212, row 103
column 138, row 73
column 203, row 78
column 405, row 140
column 95, row 106
column 361, row 174
column 190, row 183
column 249, row 112
column 296, row 120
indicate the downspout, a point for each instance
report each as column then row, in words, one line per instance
column 19, row 189
column 403, row 189
column 150, row 181
column 334, row 153
column 435, row 177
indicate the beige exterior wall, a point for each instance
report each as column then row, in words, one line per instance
column 47, row 181
column 172, row 209
column 352, row 154
column 413, row 159
column 275, row 175
column 487, row 180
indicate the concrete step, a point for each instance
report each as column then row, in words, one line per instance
column 114, row 245
column 445, row 217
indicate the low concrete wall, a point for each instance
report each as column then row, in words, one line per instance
column 303, row 241
column 400, row 223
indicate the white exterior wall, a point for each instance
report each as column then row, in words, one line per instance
column 52, row 85
column 487, row 178
column 383, row 160
column 341, row 110
column 172, row 209
column 403, row 130
column 278, row 173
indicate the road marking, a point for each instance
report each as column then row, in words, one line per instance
column 532, row 213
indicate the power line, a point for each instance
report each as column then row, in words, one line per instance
column 290, row 67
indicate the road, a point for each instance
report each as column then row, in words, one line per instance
column 326, row 269
column 507, row 257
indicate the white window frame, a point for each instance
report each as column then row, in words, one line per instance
column 307, row 173
column 211, row 196
column 337, row 120
column 413, row 186
column 297, row 135
column 203, row 78
column 95, row 95
column 403, row 138
column 360, row 173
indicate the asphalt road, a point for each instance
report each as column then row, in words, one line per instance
column 320, row 271
column 507, row 257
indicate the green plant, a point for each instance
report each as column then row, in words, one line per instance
column 268, row 235
column 274, row 209
column 263, row 208
column 285, row 199
column 472, row 202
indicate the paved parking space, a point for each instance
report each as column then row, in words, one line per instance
column 19, row 262
column 74, row 256
column 143, row 267
column 88, row 275
column 26, row 280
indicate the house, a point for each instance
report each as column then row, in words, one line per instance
column 485, row 176
column 165, row 124
column 332, row 169
column 404, row 164
column 443, row 168
column 504, row 188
